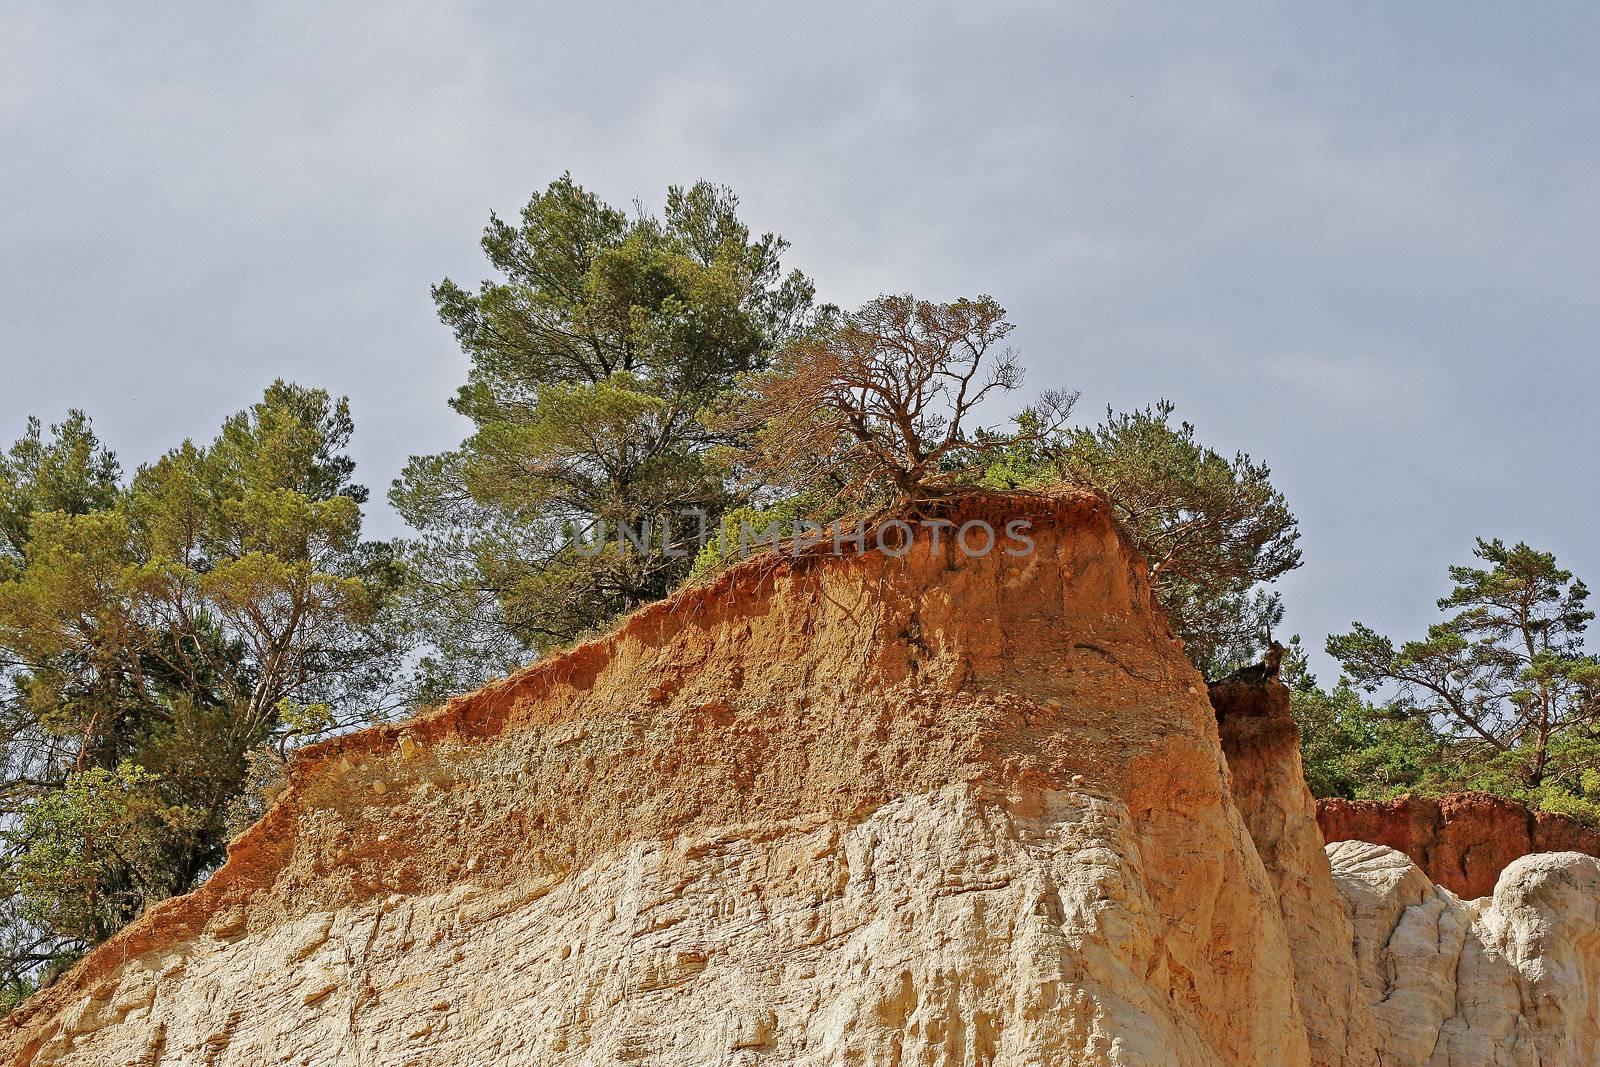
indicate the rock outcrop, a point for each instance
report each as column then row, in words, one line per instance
column 1461, row 841
column 1511, row 980
column 1262, row 747
column 930, row 810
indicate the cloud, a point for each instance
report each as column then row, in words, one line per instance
column 1357, row 242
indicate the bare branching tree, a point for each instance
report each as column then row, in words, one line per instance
column 874, row 408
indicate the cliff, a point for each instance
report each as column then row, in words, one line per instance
column 1261, row 746
column 1462, row 841
column 1391, row 968
column 928, row 810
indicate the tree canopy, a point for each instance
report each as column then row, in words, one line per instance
column 1214, row 530
column 1504, row 687
column 157, row 636
column 595, row 355
column 874, row 408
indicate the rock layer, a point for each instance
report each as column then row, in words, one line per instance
column 1262, row 747
column 1461, row 841
column 927, row 810
column 1510, row 980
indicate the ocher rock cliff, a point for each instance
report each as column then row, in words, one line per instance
column 1462, row 841
column 1262, row 749
column 934, row 810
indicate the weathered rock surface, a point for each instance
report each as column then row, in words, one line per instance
column 935, row 810
column 1462, row 841
column 1262, row 747
column 1511, row 980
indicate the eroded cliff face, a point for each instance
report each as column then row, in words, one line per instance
column 927, row 810
column 1462, row 841
column 933, row 810
column 1509, row 980
column 1262, row 748
column 1392, row 969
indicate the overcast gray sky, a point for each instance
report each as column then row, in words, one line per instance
column 1360, row 240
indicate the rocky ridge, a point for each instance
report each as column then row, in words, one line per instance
column 925, row 810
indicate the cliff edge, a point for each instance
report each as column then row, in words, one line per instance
column 930, row 809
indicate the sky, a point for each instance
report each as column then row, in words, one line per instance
column 1359, row 241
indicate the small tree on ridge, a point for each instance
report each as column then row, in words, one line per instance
column 874, row 408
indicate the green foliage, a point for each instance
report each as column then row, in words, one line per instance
column 749, row 529
column 70, row 473
column 1214, row 529
column 1580, row 799
column 95, row 852
column 1500, row 696
column 1504, row 683
column 15, row 991
column 595, row 354
column 155, row 634
column 1351, row 748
